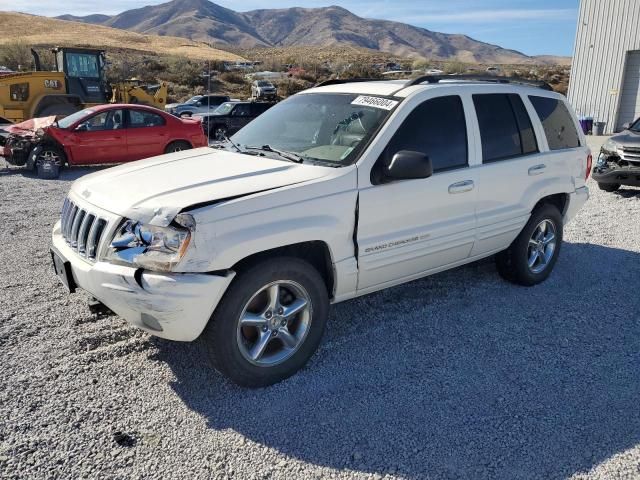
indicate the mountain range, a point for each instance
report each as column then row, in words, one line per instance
column 202, row 20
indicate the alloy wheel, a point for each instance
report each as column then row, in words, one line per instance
column 542, row 246
column 274, row 323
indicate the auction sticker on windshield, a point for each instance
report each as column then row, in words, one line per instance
column 375, row 102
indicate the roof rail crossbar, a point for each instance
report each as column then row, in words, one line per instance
column 478, row 78
column 340, row 81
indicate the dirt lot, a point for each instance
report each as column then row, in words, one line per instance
column 460, row 375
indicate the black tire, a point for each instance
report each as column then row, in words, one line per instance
column 609, row 187
column 58, row 109
column 48, row 160
column 513, row 263
column 218, row 132
column 223, row 338
column 177, row 147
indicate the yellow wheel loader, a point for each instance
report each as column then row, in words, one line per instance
column 78, row 82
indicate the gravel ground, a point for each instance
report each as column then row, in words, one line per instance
column 460, row 375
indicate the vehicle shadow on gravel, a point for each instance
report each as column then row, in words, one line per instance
column 460, row 375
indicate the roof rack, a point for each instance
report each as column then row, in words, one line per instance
column 340, row 81
column 478, row 78
column 439, row 78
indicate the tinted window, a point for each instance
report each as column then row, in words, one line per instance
column 505, row 127
column 242, row 110
column 557, row 122
column 437, row 128
column 140, row 119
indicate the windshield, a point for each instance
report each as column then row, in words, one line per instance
column 319, row 126
column 66, row 122
column 193, row 99
column 264, row 83
column 635, row 126
column 224, row 109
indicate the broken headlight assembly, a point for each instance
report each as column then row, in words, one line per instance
column 151, row 247
column 608, row 150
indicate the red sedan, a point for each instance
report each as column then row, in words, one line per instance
column 99, row 135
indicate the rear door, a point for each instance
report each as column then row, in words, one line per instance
column 102, row 138
column 409, row 228
column 515, row 170
column 147, row 134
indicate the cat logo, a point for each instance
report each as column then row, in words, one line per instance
column 52, row 84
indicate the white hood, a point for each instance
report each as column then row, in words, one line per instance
column 155, row 190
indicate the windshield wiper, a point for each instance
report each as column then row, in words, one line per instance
column 292, row 157
column 228, row 140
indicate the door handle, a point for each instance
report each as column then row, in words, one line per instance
column 537, row 169
column 461, row 187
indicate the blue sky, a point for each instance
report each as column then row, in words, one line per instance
column 532, row 26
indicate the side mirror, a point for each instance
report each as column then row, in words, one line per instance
column 626, row 126
column 83, row 127
column 407, row 165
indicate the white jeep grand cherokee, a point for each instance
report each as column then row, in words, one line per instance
column 339, row 191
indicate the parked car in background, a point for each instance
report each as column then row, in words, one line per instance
column 336, row 192
column 97, row 135
column 230, row 117
column 263, row 90
column 619, row 160
column 197, row 104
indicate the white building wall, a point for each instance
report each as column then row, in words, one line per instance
column 607, row 31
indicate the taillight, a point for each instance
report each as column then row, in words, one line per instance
column 589, row 165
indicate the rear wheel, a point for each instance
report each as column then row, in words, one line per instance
column 269, row 323
column 48, row 160
column 532, row 255
column 609, row 187
column 178, row 147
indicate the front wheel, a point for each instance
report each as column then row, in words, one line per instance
column 48, row 160
column 532, row 255
column 269, row 323
column 219, row 132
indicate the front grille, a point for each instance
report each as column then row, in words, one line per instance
column 82, row 229
column 631, row 154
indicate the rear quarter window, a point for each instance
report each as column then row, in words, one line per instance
column 557, row 122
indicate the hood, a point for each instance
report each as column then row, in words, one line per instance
column 29, row 128
column 169, row 106
column 155, row 190
column 627, row 138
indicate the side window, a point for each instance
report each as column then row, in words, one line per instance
column 557, row 122
column 436, row 128
column 505, row 127
column 109, row 120
column 243, row 110
column 141, row 119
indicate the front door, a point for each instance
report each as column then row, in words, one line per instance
column 407, row 229
column 102, row 138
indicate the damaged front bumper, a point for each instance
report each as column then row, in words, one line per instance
column 613, row 167
column 167, row 305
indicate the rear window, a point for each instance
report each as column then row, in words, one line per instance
column 505, row 127
column 558, row 124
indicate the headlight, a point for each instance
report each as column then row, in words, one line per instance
column 610, row 146
column 152, row 247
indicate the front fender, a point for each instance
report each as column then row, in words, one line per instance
column 233, row 230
